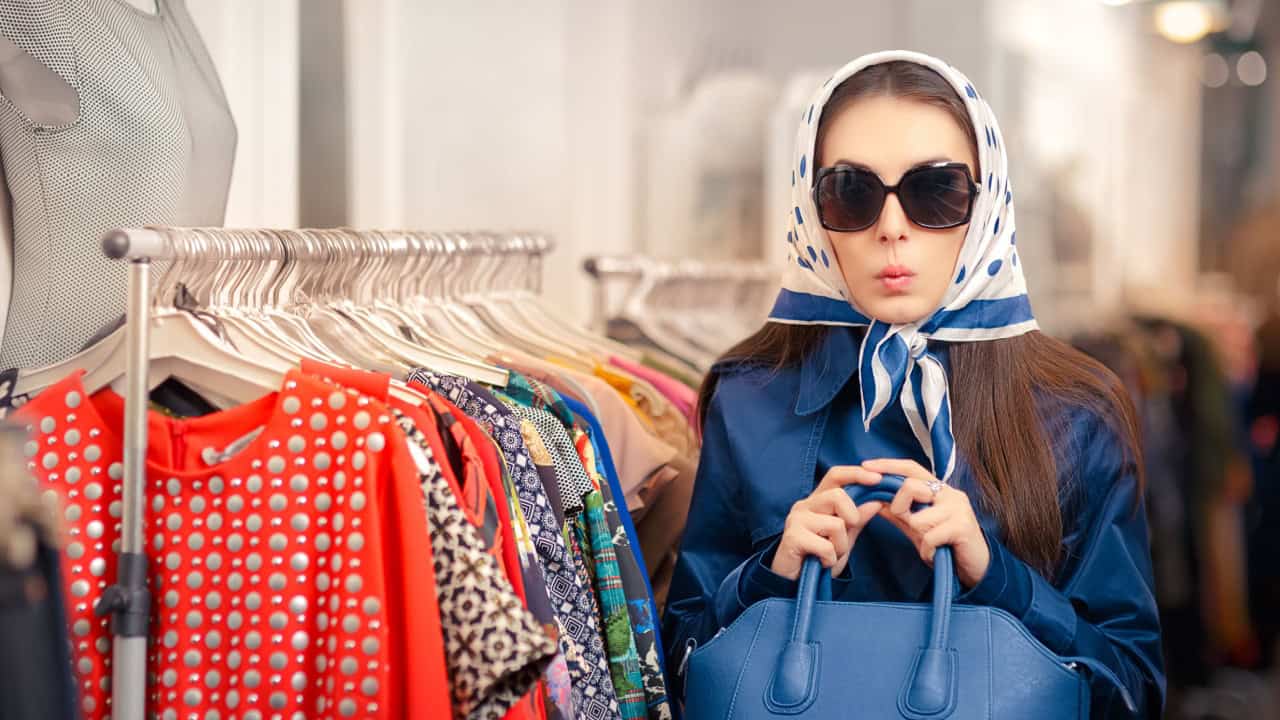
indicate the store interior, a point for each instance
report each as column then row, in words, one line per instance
column 625, row 169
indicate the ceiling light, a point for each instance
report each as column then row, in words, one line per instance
column 1184, row 21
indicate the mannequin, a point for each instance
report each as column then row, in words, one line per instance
column 111, row 114
column 45, row 98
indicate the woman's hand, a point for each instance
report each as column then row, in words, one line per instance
column 826, row 523
column 950, row 520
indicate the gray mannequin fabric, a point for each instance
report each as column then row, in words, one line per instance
column 151, row 141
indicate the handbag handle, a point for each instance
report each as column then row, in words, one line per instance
column 928, row 692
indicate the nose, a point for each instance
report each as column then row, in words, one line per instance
column 893, row 224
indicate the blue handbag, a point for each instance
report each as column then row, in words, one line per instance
column 813, row 658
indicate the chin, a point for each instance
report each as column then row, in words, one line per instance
column 899, row 309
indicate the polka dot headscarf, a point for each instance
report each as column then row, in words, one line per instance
column 988, row 299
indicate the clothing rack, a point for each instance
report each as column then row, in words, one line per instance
column 688, row 281
column 689, row 311
column 350, row 254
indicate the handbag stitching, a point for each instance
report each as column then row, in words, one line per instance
column 904, row 704
column 737, row 685
column 810, row 696
column 1041, row 648
column 744, row 619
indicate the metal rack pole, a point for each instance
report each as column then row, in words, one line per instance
column 128, row 601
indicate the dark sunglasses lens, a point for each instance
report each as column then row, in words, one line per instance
column 936, row 197
column 849, row 200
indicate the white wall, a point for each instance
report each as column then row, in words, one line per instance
column 497, row 114
column 254, row 44
column 1094, row 81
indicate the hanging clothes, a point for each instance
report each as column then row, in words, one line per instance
column 546, row 408
column 487, row 679
column 593, row 691
column 293, row 524
column 680, row 395
column 491, row 677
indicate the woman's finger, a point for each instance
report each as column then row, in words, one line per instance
column 894, row 466
column 842, row 475
column 913, row 490
column 948, row 533
column 836, row 502
column 900, row 524
column 806, row 543
column 868, row 510
column 928, row 518
column 831, row 528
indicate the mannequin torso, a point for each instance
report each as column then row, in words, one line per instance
column 111, row 114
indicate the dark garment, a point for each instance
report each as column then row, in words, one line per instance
column 35, row 662
column 175, row 399
column 760, row 456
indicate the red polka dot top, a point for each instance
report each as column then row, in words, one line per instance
column 288, row 554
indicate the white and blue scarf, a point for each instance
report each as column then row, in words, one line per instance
column 987, row 301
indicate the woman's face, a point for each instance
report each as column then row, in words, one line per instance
column 895, row 270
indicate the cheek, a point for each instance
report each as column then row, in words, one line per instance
column 950, row 245
column 849, row 255
column 940, row 253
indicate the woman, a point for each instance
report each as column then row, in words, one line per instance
column 903, row 343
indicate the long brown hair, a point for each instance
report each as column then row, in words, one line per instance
column 999, row 427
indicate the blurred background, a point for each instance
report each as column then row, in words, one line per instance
column 1145, row 141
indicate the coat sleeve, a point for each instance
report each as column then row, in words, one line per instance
column 1101, row 607
column 713, row 553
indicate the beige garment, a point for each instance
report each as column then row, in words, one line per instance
column 660, row 414
column 660, row 524
column 637, row 454
column 668, row 422
column 656, row 479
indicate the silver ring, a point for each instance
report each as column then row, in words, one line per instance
column 935, row 486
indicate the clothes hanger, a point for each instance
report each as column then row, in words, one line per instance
column 417, row 293
column 528, row 303
column 477, row 289
column 247, row 258
column 636, row 311
column 344, row 289
column 184, row 347
column 177, row 336
column 273, row 298
column 460, row 252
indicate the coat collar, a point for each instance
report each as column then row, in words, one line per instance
column 828, row 368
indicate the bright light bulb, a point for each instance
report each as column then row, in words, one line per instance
column 1184, row 21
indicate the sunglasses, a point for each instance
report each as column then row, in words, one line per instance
column 936, row 197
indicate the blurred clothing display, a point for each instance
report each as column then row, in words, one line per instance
column 1196, row 449
column 36, row 680
column 1263, row 417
